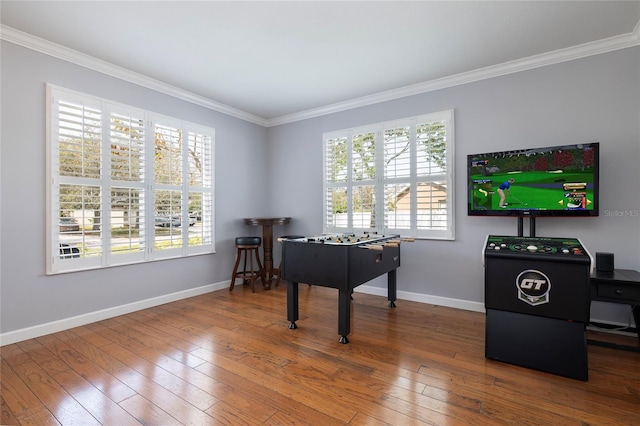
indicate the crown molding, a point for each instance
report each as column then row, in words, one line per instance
column 58, row 51
column 562, row 55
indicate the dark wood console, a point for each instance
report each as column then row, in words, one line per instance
column 619, row 286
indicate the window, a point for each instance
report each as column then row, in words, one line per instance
column 125, row 185
column 393, row 178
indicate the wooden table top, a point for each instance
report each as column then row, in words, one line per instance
column 629, row 276
column 267, row 220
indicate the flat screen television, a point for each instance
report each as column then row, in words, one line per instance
column 551, row 181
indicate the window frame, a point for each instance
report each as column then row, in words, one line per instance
column 348, row 182
column 143, row 185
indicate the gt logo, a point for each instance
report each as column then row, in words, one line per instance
column 533, row 287
column 529, row 283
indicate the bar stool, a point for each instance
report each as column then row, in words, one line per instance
column 280, row 240
column 249, row 247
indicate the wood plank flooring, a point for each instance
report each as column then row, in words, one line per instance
column 229, row 358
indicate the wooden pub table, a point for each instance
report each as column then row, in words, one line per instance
column 267, row 241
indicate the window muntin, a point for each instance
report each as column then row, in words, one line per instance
column 112, row 186
column 392, row 177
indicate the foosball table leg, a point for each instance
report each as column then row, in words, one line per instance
column 292, row 304
column 344, row 315
column 391, row 288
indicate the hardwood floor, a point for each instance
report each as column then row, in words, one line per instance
column 229, row 358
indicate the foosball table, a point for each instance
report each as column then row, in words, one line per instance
column 341, row 261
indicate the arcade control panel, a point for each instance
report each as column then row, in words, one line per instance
column 535, row 247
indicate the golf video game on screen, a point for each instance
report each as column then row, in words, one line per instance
column 533, row 180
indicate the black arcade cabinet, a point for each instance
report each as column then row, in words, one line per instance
column 537, row 303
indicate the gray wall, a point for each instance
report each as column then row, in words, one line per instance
column 278, row 171
column 591, row 99
column 29, row 298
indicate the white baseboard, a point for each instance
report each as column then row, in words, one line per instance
column 67, row 323
column 469, row 305
column 613, row 327
column 425, row 298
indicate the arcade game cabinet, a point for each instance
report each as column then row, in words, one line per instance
column 537, row 303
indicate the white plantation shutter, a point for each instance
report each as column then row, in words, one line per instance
column 80, row 136
column 363, row 179
column 397, row 149
column 168, row 187
column 77, row 193
column 111, row 171
column 433, row 189
column 335, row 179
column 393, row 177
column 75, row 222
column 168, row 208
column 168, row 154
column 200, row 187
column 127, row 223
column 128, row 140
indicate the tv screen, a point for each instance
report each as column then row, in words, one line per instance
column 552, row 181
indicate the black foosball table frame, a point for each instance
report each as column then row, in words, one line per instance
column 341, row 262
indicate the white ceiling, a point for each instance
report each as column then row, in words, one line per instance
column 275, row 61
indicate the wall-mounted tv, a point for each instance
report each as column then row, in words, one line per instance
column 551, row 181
